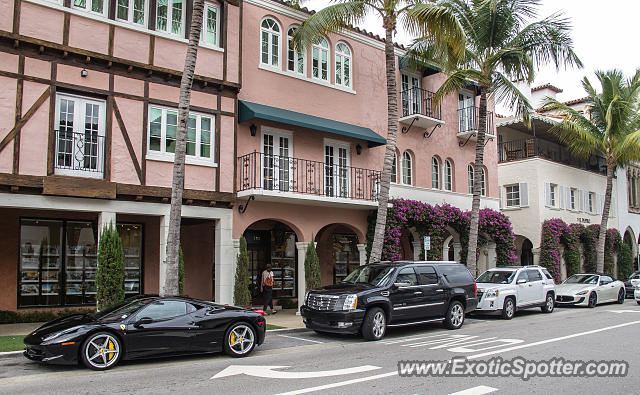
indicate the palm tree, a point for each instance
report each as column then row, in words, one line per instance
column 171, row 283
column 610, row 128
column 501, row 50
column 419, row 17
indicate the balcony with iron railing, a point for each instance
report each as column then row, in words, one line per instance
column 514, row 150
column 79, row 154
column 418, row 109
column 469, row 122
column 277, row 178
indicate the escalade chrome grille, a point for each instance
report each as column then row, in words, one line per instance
column 322, row 302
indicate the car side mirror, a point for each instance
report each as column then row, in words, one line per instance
column 521, row 281
column 142, row 321
column 402, row 284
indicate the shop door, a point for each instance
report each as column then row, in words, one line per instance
column 258, row 243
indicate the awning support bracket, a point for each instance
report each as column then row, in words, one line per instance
column 406, row 129
column 427, row 135
column 243, row 207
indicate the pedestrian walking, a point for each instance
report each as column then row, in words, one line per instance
column 266, row 287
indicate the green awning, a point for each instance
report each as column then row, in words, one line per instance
column 248, row 111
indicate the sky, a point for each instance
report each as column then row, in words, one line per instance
column 605, row 35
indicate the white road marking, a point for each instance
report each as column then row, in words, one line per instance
column 300, row 338
column 553, row 340
column 623, row 311
column 269, row 372
column 479, row 390
column 409, row 339
column 395, row 372
column 470, row 347
column 340, row 384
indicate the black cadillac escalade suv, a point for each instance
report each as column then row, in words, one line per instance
column 377, row 296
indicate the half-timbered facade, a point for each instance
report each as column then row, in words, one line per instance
column 89, row 96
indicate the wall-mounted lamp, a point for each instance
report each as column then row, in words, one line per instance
column 253, row 130
column 358, row 149
column 83, row 73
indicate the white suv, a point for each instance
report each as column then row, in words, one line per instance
column 505, row 290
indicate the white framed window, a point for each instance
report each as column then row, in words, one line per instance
column 513, row 195
column 466, row 111
column 407, row 169
column 394, row 168
column 483, row 189
column 591, row 202
column 133, row 11
column 411, row 94
column 162, row 131
column 343, row 65
column 270, row 42
column 573, row 198
column 320, row 60
column 170, row 16
column 277, row 161
column 435, row 173
column 295, row 59
column 470, row 178
column 94, row 6
column 210, row 26
column 553, row 192
column 79, row 136
column 336, row 164
column 448, row 175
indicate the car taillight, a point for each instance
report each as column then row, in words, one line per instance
column 475, row 290
column 261, row 322
column 261, row 312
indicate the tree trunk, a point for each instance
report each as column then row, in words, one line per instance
column 477, row 184
column 602, row 237
column 170, row 286
column 392, row 132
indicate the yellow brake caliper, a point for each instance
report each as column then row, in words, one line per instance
column 111, row 347
column 233, row 338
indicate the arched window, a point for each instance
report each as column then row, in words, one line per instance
column 448, row 175
column 470, row 177
column 435, row 173
column 269, row 42
column 295, row 60
column 406, row 168
column 343, row 65
column 483, row 191
column 394, row 168
column 320, row 59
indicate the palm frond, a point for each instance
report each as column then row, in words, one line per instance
column 333, row 18
column 437, row 23
column 456, row 81
column 628, row 150
column 508, row 93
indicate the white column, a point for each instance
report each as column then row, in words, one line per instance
column 104, row 219
column 417, row 250
column 226, row 255
column 456, row 251
column 362, row 251
column 445, row 252
column 164, row 234
column 492, row 255
column 536, row 256
column 302, row 247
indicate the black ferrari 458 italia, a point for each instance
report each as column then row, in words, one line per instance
column 146, row 326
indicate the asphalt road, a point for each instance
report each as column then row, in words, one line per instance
column 304, row 362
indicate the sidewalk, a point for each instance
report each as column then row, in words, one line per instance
column 284, row 318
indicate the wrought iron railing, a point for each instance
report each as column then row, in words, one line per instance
column 420, row 101
column 539, row 148
column 79, row 153
column 278, row 173
column 469, row 120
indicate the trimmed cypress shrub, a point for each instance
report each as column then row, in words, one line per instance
column 110, row 272
column 312, row 268
column 241, row 295
column 625, row 262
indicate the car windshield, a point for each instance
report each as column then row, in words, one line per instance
column 496, row 277
column 123, row 310
column 582, row 279
column 372, row 275
column 634, row 276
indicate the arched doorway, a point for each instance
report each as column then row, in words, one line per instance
column 338, row 252
column 526, row 255
column 272, row 242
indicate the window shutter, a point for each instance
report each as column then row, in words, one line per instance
column 561, row 196
column 500, row 196
column 567, row 196
column 599, row 204
column 580, row 198
column 547, row 194
column 524, row 194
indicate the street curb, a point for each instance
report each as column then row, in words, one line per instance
column 11, row 354
column 287, row 330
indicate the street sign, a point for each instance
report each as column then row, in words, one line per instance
column 427, row 243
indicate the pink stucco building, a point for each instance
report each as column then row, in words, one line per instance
column 283, row 148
